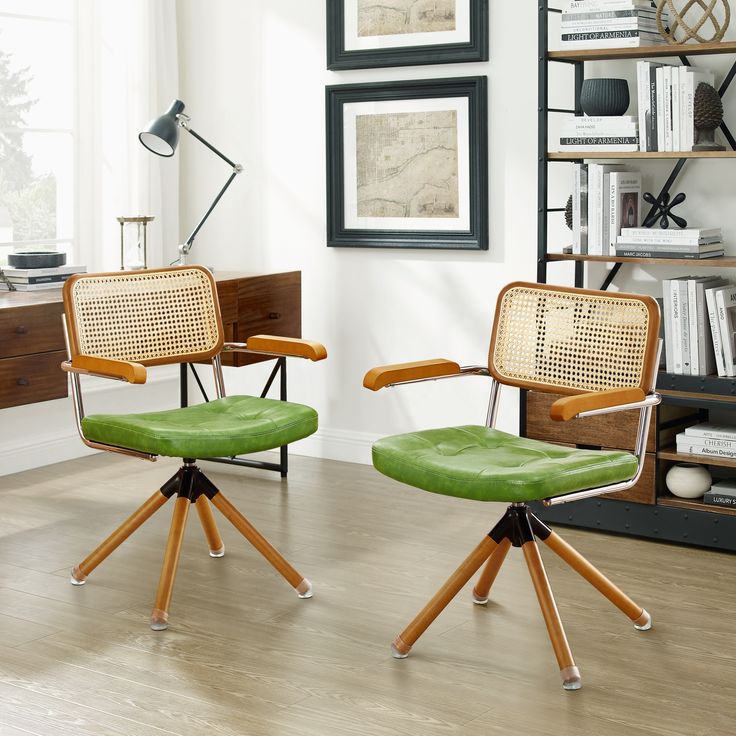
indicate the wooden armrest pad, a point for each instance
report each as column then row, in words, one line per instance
column 383, row 375
column 120, row 369
column 570, row 406
column 287, row 346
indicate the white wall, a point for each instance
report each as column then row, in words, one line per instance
column 253, row 77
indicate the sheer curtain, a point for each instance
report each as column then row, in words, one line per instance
column 127, row 75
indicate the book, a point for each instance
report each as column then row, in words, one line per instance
column 580, row 126
column 595, row 25
column 667, row 102
column 683, row 325
column 661, row 111
column 39, row 279
column 692, row 77
column 669, row 360
column 726, row 308
column 673, row 234
column 690, row 448
column 624, row 192
column 624, row 37
column 625, row 148
column 669, row 247
column 56, row 270
column 580, row 210
column 626, row 252
column 616, row 142
column 631, row 12
column 700, row 363
column 710, row 429
column 643, row 106
column 710, row 302
column 577, row 5
column 654, row 112
column 675, row 99
column 725, row 487
column 675, row 333
column 598, row 205
column 692, row 441
column 714, row 498
column 34, row 287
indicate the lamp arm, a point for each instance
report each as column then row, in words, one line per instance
column 237, row 168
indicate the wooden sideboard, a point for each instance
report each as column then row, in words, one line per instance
column 32, row 339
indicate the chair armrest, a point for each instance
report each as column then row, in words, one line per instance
column 613, row 399
column 421, row 370
column 119, row 370
column 290, row 347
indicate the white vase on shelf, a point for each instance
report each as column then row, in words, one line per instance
column 688, row 480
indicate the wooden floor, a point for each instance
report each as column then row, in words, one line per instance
column 245, row 656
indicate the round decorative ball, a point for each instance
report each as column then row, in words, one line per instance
column 688, row 480
column 604, row 96
column 685, row 25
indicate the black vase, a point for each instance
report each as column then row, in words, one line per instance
column 604, row 96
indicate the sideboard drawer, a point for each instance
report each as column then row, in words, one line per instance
column 32, row 378
column 32, row 328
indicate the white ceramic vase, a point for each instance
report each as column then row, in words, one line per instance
column 688, row 480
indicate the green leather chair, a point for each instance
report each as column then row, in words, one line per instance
column 119, row 323
column 601, row 351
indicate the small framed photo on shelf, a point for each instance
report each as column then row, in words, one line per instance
column 363, row 34
column 407, row 164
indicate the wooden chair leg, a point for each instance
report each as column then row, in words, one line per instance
column 209, row 525
column 160, row 613
column 296, row 580
column 405, row 640
column 490, row 571
column 144, row 512
column 641, row 618
column 568, row 671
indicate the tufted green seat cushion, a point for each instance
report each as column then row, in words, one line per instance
column 235, row 425
column 489, row 465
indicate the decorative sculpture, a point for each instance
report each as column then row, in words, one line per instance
column 568, row 212
column 663, row 210
column 678, row 22
column 707, row 116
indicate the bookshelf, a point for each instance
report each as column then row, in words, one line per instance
column 646, row 512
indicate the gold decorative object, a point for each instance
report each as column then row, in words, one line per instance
column 133, row 242
column 677, row 20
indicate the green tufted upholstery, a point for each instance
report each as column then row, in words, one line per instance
column 236, row 425
column 488, row 465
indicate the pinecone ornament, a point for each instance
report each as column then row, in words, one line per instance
column 568, row 212
column 707, row 114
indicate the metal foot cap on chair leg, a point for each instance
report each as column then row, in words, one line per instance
column 159, row 620
column 304, row 589
column 77, row 577
column 218, row 552
column 644, row 622
column 571, row 678
column 479, row 599
column 399, row 650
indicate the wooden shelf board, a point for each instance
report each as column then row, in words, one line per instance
column 694, row 504
column 720, row 262
column 696, row 49
column 669, row 453
column 580, row 155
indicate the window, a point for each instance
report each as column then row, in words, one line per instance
column 38, row 190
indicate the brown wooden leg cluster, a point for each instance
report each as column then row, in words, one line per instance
column 520, row 528
column 190, row 485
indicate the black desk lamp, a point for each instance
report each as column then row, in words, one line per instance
column 161, row 137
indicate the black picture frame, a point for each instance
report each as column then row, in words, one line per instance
column 475, row 237
column 338, row 57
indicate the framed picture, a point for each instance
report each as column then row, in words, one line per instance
column 407, row 164
column 370, row 33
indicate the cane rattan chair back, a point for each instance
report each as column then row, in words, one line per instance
column 155, row 317
column 560, row 340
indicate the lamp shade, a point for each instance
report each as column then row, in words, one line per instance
column 161, row 135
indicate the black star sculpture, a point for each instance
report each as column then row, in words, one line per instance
column 663, row 209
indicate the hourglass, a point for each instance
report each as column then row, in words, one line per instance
column 133, row 242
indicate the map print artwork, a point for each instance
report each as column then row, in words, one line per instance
column 389, row 17
column 407, row 164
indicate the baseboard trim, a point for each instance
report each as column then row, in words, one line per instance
column 337, row 444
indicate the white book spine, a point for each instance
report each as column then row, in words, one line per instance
column 659, row 74
column 726, row 329
column 642, row 94
column 715, row 431
column 669, row 361
column 694, row 449
column 684, row 327
column 667, row 98
column 593, row 194
column 676, row 108
column 606, row 214
column 715, row 330
column 695, row 331
column 729, row 444
column 576, row 212
column 676, row 328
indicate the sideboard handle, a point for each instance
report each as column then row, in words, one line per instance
column 23, row 382
column 274, row 315
column 21, row 330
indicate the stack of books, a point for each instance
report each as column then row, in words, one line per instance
column 722, row 493
column 699, row 315
column 609, row 133
column 606, row 198
column 708, row 439
column 36, row 279
column 692, row 243
column 604, row 24
column 666, row 98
